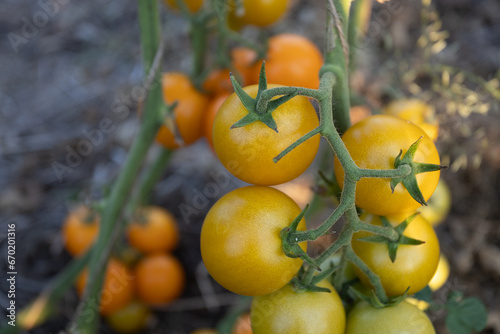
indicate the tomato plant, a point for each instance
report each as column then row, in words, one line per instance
column 374, row 143
column 240, row 240
column 248, row 152
column 188, row 114
column 293, row 60
column 117, row 290
column 288, row 311
column 159, row 279
column 80, row 230
column 130, row 319
column 154, row 230
column 401, row 318
column 414, row 265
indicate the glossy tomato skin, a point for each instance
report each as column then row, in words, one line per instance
column 287, row 311
column 414, row 265
column 160, row 279
column 212, row 109
column 188, row 113
column 417, row 112
column 293, row 60
column 80, row 230
column 131, row 319
column 398, row 319
column 374, row 143
column 117, row 289
column 241, row 244
column 154, row 231
column 248, row 152
column 260, row 13
column 192, row 5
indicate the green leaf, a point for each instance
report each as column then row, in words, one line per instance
column 466, row 316
column 375, row 239
column 247, row 100
column 410, row 182
column 268, row 120
column 249, row 118
column 425, row 294
column 273, row 104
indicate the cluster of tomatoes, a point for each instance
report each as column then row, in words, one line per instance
column 143, row 274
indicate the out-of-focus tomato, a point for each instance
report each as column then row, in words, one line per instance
column 154, row 231
column 159, row 279
column 441, row 275
column 242, row 325
column 130, row 319
column 259, row 13
column 359, row 113
column 80, row 230
column 439, row 204
column 212, row 109
column 417, row 112
column 188, row 114
column 117, row 289
column 293, row 60
column 192, row 5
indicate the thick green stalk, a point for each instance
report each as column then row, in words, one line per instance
column 87, row 315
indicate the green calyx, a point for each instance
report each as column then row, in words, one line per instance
column 402, row 239
column 374, row 300
column 410, row 181
column 289, row 244
column 250, row 103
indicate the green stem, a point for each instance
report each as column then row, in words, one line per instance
column 198, row 37
column 150, row 37
column 152, row 175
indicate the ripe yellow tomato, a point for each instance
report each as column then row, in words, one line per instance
column 188, row 114
column 154, row 231
column 398, row 319
column 374, row 143
column 241, row 244
column 248, row 152
column 259, row 13
column 414, row 265
column 80, row 230
column 291, row 312
column 417, row 112
column 441, row 275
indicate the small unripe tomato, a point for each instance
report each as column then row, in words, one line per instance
column 154, row 231
column 159, row 279
column 188, row 114
column 130, row 319
column 117, row 289
column 80, row 230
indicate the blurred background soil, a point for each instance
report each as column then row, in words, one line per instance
column 62, row 77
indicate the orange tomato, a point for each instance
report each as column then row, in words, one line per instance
column 243, row 61
column 188, row 113
column 293, row 60
column 192, row 5
column 359, row 113
column 80, row 230
column 155, row 230
column 159, row 279
column 117, row 289
column 212, row 109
